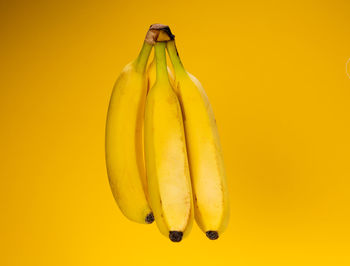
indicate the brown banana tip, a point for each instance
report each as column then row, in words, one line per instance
column 175, row 236
column 149, row 218
column 212, row 235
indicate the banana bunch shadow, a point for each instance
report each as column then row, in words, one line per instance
column 163, row 153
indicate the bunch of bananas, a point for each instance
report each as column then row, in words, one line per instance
column 163, row 154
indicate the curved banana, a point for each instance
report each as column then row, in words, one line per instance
column 167, row 168
column 208, row 175
column 124, row 139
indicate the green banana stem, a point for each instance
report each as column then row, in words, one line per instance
column 175, row 59
column 141, row 61
column 161, row 66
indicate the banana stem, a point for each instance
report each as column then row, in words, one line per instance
column 142, row 59
column 150, row 40
column 175, row 59
column 161, row 66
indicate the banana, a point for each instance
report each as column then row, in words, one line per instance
column 124, row 138
column 169, row 183
column 208, row 175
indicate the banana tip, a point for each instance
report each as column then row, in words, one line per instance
column 212, row 235
column 175, row 236
column 149, row 218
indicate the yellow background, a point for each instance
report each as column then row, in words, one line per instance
column 275, row 72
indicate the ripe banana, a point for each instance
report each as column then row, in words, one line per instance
column 167, row 168
column 124, row 139
column 205, row 156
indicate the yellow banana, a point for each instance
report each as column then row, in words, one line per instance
column 208, row 175
column 124, row 138
column 167, row 168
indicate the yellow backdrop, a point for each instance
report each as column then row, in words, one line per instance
column 275, row 73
